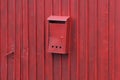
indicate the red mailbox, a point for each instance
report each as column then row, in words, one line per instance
column 58, row 34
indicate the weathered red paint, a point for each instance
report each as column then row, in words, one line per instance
column 95, row 40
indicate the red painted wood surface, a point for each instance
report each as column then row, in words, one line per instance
column 95, row 40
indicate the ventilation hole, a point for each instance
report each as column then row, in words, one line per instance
column 56, row 46
column 52, row 46
column 60, row 47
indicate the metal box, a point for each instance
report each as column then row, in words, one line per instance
column 58, row 34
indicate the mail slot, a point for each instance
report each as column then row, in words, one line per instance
column 58, row 34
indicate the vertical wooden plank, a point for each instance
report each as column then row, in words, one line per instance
column 4, row 24
column 87, row 37
column 82, row 53
column 24, row 52
column 11, row 26
column 56, row 7
column 56, row 67
column 48, row 56
column 83, row 42
column 102, row 39
column 40, row 39
column 78, row 40
column 56, row 57
column 65, row 58
column 0, row 38
column 73, row 54
column 18, row 37
column 0, row 50
column 32, row 40
column 10, row 68
column 11, row 39
column 112, row 40
column 117, row 39
column 84, row 39
column 92, row 72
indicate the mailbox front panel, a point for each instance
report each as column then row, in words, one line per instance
column 57, row 37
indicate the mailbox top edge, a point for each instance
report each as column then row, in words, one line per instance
column 58, row 18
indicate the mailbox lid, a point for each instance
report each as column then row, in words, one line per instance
column 58, row 18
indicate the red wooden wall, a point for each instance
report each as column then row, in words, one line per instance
column 95, row 42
